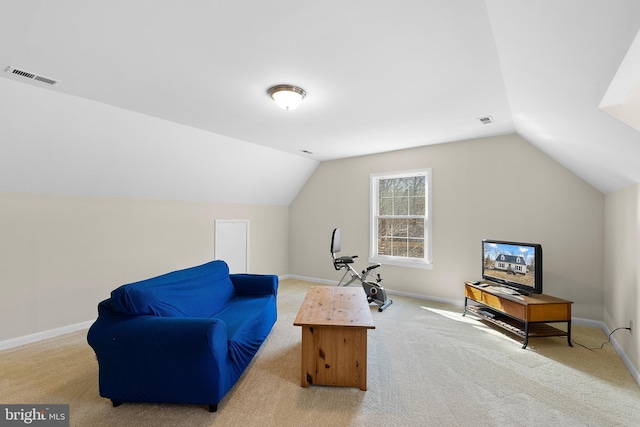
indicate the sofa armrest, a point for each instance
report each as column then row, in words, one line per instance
column 158, row 338
column 159, row 359
column 255, row 284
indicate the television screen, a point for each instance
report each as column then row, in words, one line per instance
column 514, row 265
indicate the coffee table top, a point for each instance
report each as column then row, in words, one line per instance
column 335, row 306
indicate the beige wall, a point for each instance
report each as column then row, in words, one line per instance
column 60, row 256
column 476, row 185
column 622, row 275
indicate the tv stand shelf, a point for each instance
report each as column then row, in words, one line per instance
column 525, row 316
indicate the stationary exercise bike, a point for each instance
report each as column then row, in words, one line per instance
column 375, row 293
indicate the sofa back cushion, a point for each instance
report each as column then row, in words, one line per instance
column 198, row 291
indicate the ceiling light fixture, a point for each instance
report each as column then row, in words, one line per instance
column 287, row 97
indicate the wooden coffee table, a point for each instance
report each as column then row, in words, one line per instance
column 334, row 324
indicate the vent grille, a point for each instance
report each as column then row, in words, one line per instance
column 486, row 120
column 33, row 76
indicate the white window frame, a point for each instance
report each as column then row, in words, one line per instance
column 374, row 180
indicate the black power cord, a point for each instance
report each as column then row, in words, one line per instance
column 606, row 342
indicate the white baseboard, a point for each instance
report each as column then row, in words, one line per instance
column 389, row 291
column 625, row 359
column 312, row 279
column 39, row 336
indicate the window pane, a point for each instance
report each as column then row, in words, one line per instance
column 401, row 206
column 399, row 247
column 416, row 248
column 402, row 187
column 385, row 227
column 385, row 188
column 416, row 205
column 418, row 186
column 415, row 228
column 384, row 246
column 386, row 206
column 400, row 227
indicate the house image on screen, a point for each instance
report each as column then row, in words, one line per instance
column 511, row 263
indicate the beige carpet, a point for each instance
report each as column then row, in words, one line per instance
column 427, row 366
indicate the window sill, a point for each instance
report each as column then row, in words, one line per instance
column 402, row 263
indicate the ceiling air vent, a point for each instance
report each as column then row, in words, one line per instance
column 32, row 76
column 486, row 120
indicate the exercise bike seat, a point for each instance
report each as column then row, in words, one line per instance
column 340, row 262
column 336, row 246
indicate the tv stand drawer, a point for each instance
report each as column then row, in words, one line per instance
column 497, row 302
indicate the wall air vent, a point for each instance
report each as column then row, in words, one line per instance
column 486, row 120
column 32, row 76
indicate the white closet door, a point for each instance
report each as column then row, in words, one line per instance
column 232, row 244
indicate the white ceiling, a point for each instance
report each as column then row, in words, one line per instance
column 380, row 75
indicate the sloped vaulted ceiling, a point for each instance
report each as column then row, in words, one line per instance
column 558, row 60
column 167, row 99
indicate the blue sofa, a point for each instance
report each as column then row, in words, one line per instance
column 183, row 337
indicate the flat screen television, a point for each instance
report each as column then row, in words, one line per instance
column 513, row 265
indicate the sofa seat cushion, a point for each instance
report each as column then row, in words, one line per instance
column 248, row 320
column 199, row 291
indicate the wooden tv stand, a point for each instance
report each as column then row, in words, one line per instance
column 526, row 316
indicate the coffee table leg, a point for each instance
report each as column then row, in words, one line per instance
column 361, row 358
column 307, row 356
